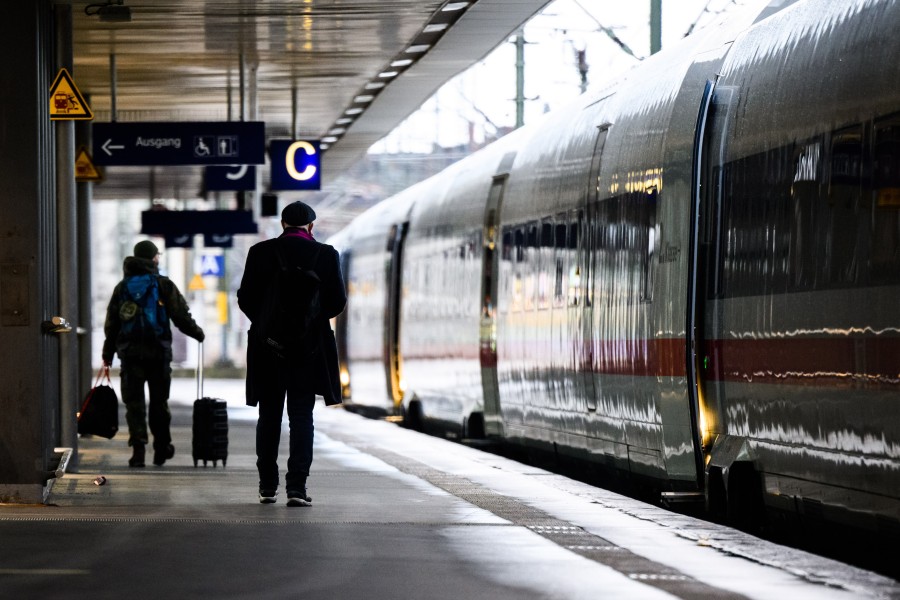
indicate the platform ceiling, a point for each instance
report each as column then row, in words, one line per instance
column 180, row 60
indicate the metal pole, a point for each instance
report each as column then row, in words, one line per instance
column 113, row 83
column 655, row 26
column 67, row 247
column 520, row 79
column 85, row 192
column 294, row 108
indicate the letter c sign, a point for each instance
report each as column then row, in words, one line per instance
column 296, row 164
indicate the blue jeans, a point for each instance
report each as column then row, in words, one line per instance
column 292, row 381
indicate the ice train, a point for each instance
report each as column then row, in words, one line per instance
column 689, row 277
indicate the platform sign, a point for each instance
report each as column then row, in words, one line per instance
column 296, row 164
column 180, row 143
column 231, row 178
column 66, row 102
column 84, row 167
column 212, row 265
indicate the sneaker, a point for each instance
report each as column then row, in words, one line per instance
column 298, row 498
column 267, row 496
column 161, row 456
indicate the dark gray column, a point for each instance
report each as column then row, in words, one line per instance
column 29, row 359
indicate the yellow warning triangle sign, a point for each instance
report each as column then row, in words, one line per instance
column 84, row 167
column 66, row 102
column 196, row 283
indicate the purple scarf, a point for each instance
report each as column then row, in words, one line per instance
column 297, row 232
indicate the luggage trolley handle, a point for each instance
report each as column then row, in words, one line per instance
column 200, row 371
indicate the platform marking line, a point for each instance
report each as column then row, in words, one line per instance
column 562, row 533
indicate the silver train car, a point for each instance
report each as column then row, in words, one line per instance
column 689, row 277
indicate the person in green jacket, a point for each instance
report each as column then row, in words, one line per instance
column 137, row 328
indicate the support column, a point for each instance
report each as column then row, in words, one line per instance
column 67, row 249
column 29, row 359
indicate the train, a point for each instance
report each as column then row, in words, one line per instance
column 689, row 276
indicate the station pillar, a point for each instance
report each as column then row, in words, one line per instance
column 29, row 271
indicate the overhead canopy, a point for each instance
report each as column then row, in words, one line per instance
column 350, row 70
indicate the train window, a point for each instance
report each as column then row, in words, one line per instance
column 507, row 245
column 573, row 236
column 844, row 199
column 560, row 236
column 546, row 235
column 558, row 296
column 885, row 258
column 532, row 235
column 520, row 244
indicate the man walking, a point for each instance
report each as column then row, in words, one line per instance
column 137, row 329
column 301, row 372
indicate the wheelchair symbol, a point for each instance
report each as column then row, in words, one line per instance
column 203, row 145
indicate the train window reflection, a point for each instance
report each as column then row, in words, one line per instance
column 546, row 235
column 506, row 253
column 520, row 245
column 561, row 236
column 886, row 222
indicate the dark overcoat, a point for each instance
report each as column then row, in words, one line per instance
column 261, row 269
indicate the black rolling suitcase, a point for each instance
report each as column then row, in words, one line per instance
column 210, row 440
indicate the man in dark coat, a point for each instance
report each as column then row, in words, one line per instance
column 146, row 351
column 301, row 374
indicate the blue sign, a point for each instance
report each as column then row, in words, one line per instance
column 234, row 178
column 187, row 143
column 212, row 265
column 296, row 164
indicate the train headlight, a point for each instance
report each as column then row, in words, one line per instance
column 345, row 377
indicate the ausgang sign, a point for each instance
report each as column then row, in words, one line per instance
column 186, row 143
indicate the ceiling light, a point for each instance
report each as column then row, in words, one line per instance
column 435, row 27
column 343, row 121
column 328, row 139
column 403, row 62
column 452, row 6
column 323, row 146
column 364, row 98
column 337, row 131
column 353, row 111
column 375, row 85
column 388, row 74
column 418, row 48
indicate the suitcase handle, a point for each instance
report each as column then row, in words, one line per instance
column 200, row 371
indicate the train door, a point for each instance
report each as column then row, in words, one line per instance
column 704, row 262
column 493, row 421
column 391, row 354
column 586, row 341
column 340, row 329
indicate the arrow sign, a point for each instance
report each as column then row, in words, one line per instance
column 180, row 143
column 108, row 147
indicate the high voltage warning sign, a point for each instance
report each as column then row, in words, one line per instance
column 66, row 102
column 84, row 167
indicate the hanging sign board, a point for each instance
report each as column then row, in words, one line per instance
column 296, row 164
column 185, row 143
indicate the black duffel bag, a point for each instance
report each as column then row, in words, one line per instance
column 100, row 410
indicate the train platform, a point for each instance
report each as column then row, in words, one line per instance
column 396, row 514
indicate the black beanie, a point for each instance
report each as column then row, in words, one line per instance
column 145, row 249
